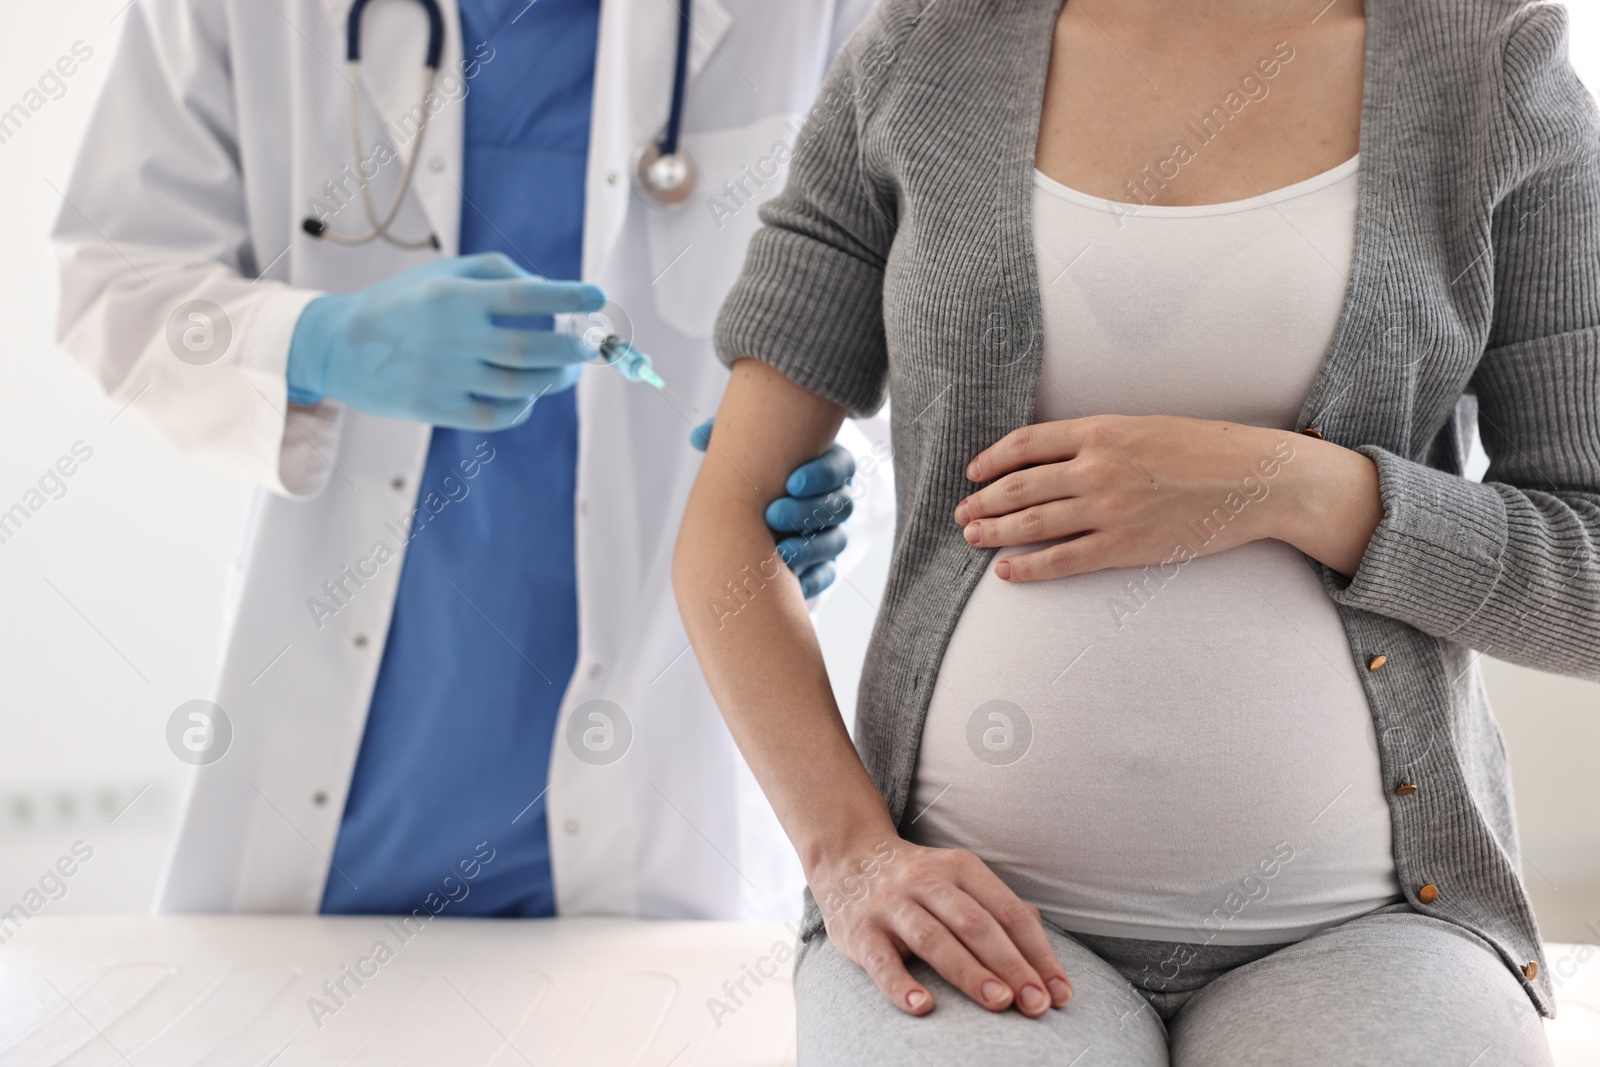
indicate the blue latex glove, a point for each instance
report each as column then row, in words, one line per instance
column 809, row 521
column 448, row 343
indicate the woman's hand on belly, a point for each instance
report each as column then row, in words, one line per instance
column 948, row 909
column 1136, row 490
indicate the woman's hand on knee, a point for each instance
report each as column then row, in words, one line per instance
column 947, row 908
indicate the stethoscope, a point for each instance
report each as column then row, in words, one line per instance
column 663, row 170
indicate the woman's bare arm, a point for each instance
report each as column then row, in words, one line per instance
column 748, row 621
column 881, row 896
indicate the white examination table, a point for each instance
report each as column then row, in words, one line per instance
column 164, row 992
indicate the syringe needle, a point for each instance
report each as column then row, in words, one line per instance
column 634, row 365
column 673, row 393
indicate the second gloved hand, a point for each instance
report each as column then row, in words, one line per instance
column 809, row 522
column 425, row 345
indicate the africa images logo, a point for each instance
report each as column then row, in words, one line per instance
column 999, row 732
column 199, row 732
column 199, row 332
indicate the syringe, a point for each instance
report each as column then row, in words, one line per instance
column 634, row 364
column 600, row 336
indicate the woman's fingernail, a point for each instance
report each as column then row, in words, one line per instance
column 1060, row 990
column 1033, row 1000
column 973, row 532
column 972, row 470
column 993, row 991
column 963, row 515
column 916, row 999
column 1002, row 570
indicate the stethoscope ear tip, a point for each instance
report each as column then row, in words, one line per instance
column 317, row 228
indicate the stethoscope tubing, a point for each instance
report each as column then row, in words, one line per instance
column 380, row 226
column 680, row 80
column 352, row 32
column 666, row 146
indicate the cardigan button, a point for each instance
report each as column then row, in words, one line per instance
column 1404, row 789
column 1312, row 431
column 1531, row 971
column 1428, row 893
column 1377, row 662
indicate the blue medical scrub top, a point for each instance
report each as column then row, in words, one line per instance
column 485, row 628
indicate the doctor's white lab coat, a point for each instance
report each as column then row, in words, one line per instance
column 220, row 121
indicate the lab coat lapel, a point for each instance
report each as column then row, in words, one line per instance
column 649, row 51
column 711, row 23
column 393, row 44
column 632, row 95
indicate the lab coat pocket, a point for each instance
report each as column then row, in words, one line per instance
column 696, row 251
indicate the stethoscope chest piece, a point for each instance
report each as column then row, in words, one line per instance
column 663, row 169
column 666, row 180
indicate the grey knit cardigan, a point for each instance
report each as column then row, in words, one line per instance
column 900, row 257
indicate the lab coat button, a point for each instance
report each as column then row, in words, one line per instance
column 1404, row 789
column 360, row 640
column 436, row 164
column 1531, row 970
column 594, row 670
column 583, row 507
column 570, row 826
column 1376, row 662
column 612, row 178
column 319, row 798
column 1428, row 893
column 397, row 483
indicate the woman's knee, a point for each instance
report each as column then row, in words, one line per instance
column 842, row 1018
column 1393, row 988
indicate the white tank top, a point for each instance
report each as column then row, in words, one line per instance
column 1185, row 758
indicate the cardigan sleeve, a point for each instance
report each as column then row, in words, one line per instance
column 809, row 300
column 1511, row 566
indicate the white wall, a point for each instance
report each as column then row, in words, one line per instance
column 137, row 547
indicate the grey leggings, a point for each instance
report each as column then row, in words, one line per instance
column 1392, row 986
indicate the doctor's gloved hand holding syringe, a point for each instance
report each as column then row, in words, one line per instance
column 431, row 345
column 449, row 344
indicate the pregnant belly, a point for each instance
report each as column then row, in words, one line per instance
column 1185, row 759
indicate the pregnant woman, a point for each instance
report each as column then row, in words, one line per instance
column 1171, row 744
